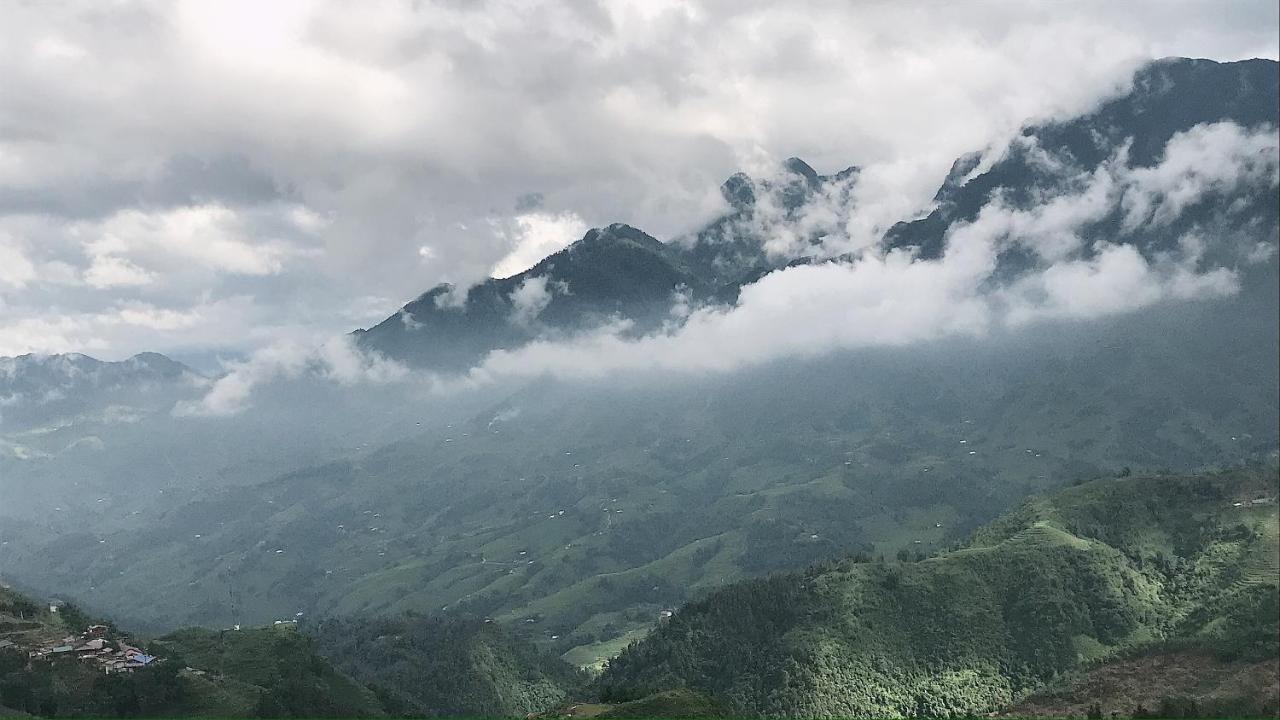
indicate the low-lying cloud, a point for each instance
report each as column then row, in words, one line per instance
column 337, row 360
column 891, row 297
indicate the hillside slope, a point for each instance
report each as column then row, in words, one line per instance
column 1064, row 581
column 428, row 667
column 54, row 664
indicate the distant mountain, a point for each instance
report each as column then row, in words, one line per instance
column 612, row 273
column 41, row 389
column 1102, row 574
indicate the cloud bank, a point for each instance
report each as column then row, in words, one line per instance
column 886, row 297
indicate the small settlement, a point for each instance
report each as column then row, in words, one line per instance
column 96, row 647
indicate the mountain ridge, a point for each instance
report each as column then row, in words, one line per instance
column 578, row 288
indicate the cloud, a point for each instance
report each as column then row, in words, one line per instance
column 1206, row 158
column 16, row 270
column 212, row 236
column 305, row 153
column 132, row 323
column 337, row 360
column 535, row 235
column 1118, row 279
column 109, row 271
column 529, row 299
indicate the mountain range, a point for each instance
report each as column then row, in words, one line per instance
column 577, row 513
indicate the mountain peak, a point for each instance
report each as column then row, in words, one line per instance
column 618, row 232
column 739, row 190
column 796, row 166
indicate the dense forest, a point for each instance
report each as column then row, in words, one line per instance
column 423, row 666
column 1109, row 567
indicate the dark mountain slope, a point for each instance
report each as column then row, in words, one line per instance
column 1065, row 580
column 1165, row 682
column 1168, row 96
column 616, row 272
column 619, row 272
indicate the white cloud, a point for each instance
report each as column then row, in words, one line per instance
column 533, row 236
column 109, row 271
column 1206, row 158
column 529, row 299
column 1116, row 280
column 337, row 359
column 212, row 236
column 16, row 270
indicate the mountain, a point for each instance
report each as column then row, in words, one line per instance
column 611, row 274
column 706, row 480
column 579, row 511
column 1104, row 575
column 426, row 667
column 1167, row 97
column 42, row 389
column 621, row 273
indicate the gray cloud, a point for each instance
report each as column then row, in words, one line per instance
column 217, row 175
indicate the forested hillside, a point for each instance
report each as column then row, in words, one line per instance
column 424, row 666
column 62, row 663
column 1066, row 582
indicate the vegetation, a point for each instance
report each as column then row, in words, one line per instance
column 1066, row 581
column 273, row 672
column 259, row 672
column 426, row 666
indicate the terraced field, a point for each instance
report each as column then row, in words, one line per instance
column 1262, row 566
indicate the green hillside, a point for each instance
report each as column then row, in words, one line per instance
column 266, row 672
column 428, row 667
column 1064, row 583
column 256, row 672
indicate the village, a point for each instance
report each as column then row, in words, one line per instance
column 99, row 646
column 95, row 647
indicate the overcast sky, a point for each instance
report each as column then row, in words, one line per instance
column 208, row 177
